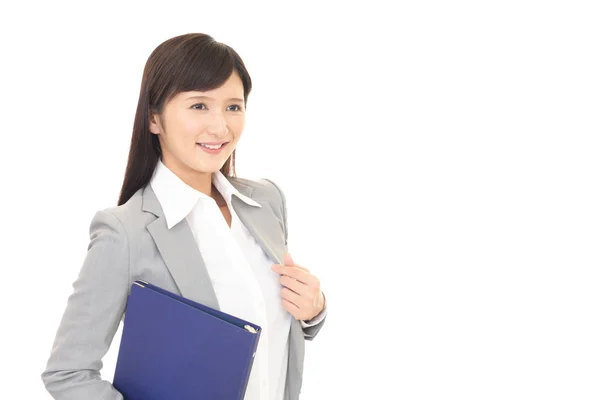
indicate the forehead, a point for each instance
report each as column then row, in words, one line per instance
column 232, row 87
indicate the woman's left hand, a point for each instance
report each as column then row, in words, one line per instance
column 301, row 296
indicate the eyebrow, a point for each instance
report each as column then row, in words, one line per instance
column 210, row 98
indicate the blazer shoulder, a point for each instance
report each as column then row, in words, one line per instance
column 130, row 214
column 276, row 194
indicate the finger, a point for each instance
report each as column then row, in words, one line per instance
column 288, row 261
column 301, row 267
column 296, row 286
column 291, row 308
column 293, row 272
column 295, row 266
column 291, row 296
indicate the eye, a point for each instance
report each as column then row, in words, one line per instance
column 238, row 107
column 199, row 104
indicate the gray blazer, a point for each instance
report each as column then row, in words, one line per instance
column 132, row 242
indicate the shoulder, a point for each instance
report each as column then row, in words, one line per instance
column 127, row 219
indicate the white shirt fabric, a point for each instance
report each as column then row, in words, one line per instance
column 240, row 272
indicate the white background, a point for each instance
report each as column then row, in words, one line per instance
column 440, row 160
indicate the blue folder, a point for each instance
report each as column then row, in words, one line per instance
column 175, row 348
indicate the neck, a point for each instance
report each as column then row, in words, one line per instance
column 201, row 181
column 206, row 186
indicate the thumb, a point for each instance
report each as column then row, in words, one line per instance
column 287, row 259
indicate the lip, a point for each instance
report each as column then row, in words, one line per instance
column 212, row 143
column 213, row 151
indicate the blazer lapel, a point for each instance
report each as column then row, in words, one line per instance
column 179, row 250
column 261, row 222
column 264, row 225
column 180, row 253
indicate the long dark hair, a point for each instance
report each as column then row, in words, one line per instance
column 193, row 61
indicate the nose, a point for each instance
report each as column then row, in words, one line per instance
column 217, row 125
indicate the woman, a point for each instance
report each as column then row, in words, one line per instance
column 184, row 222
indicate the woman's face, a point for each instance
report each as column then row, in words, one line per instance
column 191, row 119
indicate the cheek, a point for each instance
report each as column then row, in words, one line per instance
column 191, row 127
column 237, row 125
column 182, row 127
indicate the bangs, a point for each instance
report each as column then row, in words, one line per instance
column 200, row 66
column 204, row 68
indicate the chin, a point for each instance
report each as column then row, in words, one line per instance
column 207, row 168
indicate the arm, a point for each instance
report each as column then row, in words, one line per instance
column 92, row 316
column 312, row 327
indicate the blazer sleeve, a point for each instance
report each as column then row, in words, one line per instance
column 310, row 332
column 92, row 315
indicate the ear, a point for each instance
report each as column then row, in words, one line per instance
column 154, row 126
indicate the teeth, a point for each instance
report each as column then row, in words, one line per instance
column 208, row 146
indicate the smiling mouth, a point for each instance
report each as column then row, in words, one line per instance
column 212, row 146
